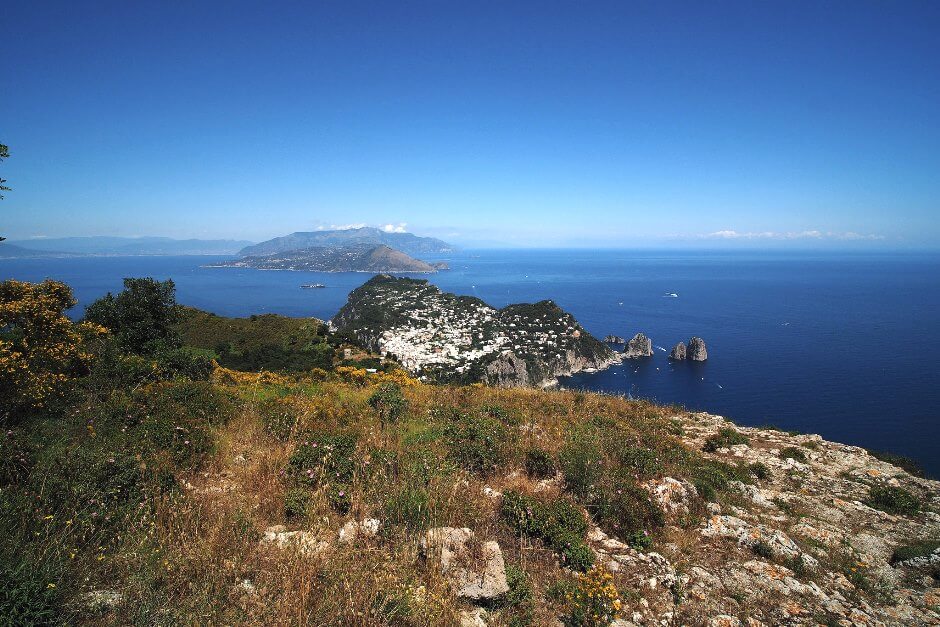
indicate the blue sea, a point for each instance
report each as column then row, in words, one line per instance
column 845, row 345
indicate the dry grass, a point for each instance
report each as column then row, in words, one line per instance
column 200, row 560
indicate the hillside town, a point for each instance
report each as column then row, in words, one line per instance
column 443, row 336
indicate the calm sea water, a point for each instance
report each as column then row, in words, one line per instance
column 842, row 345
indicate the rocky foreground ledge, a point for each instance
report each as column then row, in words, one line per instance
column 807, row 544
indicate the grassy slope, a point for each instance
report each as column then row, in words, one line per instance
column 266, row 341
column 239, row 449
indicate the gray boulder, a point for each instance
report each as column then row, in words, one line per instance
column 697, row 350
column 678, row 352
column 477, row 573
column 639, row 346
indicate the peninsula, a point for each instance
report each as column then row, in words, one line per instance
column 445, row 337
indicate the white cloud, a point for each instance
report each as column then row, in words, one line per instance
column 730, row 234
column 341, row 227
column 395, row 228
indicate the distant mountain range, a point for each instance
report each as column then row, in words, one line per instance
column 336, row 259
column 362, row 237
column 104, row 245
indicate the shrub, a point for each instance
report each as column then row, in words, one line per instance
column 186, row 362
column 725, row 438
column 560, row 524
column 640, row 461
column 41, row 351
column 339, row 497
column 792, row 452
column 142, row 317
column 323, row 457
column 759, row 470
column 296, row 502
column 388, row 402
column 710, row 477
column 575, row 554
column 595, row 602
column 762, row 549
column 581, row 462
column 893, row 500
column 539, row 463
column 917, row 549
column 477, row 443
column 626, row 509
column 905, row 463
column 517, row 602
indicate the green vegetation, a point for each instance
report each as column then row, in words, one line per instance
column 905, row 463
column 539, row 463
column 726, row 437
column 142, row 317
column 266, row 342
column 792, row 452
column 893, row 500
column 141, row 466
column 914, row 550
column 559, row 523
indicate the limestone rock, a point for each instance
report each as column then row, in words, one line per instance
column 639, row 346
column 352, row 530
column 672, row 496
column 508, row 370
column 697, row 350
column 304, row 542
column 473, row 618
column 102, row 600
column 678, row 352
column 614, row 339
column 478, row 575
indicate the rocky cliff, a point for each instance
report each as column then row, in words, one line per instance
column 678, row 352
column 697, row 351
column 639, row 346
column 446, row 337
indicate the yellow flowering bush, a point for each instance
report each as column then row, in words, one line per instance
column 595, row 602
column 41, row 350
column 226, row 376
column 361, row 376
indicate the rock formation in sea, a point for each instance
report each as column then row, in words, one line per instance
column 697, row 350
column 639, row 346
column 678, row 352
column 615, row 339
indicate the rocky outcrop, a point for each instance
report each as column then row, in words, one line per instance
column 615, row 339
column 697, row 351
column 678, row 352
column 477, row 573
column 508, row 370
column 639, row 346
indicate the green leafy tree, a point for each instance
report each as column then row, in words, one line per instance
column 142, row 317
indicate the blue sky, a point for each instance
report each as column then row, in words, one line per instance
column 536, row 124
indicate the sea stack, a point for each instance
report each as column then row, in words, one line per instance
column 614, row 339
column 697, row 350
column 678, row 352
column 639, row 346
